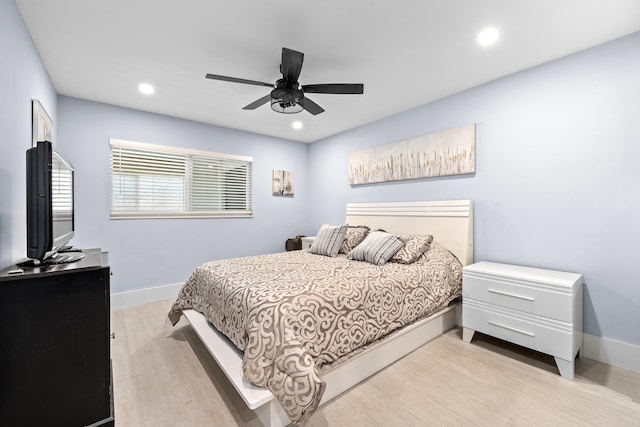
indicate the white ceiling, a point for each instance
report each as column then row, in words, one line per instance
column 407, row 52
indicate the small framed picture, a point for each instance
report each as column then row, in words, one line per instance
column 282, row 183
column 42, row 124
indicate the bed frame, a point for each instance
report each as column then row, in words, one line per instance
column 451, row 224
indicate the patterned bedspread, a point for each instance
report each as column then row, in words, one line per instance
column 291, row 313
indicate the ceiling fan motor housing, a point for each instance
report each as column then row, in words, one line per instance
column 286, row 98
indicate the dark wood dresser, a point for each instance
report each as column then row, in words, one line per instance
column 55, row 357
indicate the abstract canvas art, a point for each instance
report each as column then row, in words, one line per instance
column 448, row 152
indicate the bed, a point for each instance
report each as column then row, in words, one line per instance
column 312, row 326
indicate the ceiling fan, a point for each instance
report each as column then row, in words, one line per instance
column 287, row 95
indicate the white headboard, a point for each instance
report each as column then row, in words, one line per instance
column 450, row 222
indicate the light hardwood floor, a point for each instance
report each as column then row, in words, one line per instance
column 163, row 376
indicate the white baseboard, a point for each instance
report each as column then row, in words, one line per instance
column 616, row 353
column 144, row 296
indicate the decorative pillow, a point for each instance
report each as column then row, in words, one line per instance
column 355, row 235
column 328, row 240
column 416, row 245
column 376, row 248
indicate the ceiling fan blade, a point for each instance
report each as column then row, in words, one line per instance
column 311, row 106
column 335, row 88
column 237, row 80
column 258, row 103
column 291, row 65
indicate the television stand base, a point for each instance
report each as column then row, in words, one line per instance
column 63, row 258
column 57, row 258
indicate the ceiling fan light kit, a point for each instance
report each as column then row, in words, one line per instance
column 287, row 96
column 286, row 100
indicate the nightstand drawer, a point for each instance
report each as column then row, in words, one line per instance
column 547, row 301
column 539, row 334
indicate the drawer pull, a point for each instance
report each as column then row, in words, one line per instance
column 494, row 291
column 531, row 334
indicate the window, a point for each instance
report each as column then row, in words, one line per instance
column 156, row 181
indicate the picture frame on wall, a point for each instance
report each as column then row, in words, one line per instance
column 42, row 124
column 282, row 183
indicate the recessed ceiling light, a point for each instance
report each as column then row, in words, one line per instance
column 488, row 37
column 296, row 125
column 145, row 88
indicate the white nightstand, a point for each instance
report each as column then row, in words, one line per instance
column 307, row 241
column 535, row 308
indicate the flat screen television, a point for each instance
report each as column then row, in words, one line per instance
column 50, row 207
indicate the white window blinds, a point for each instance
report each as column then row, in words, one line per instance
column 61, row 190
column 156, row 181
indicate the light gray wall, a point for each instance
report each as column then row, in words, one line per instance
column 22, row 77
column 148, row 253
column 558, row 174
